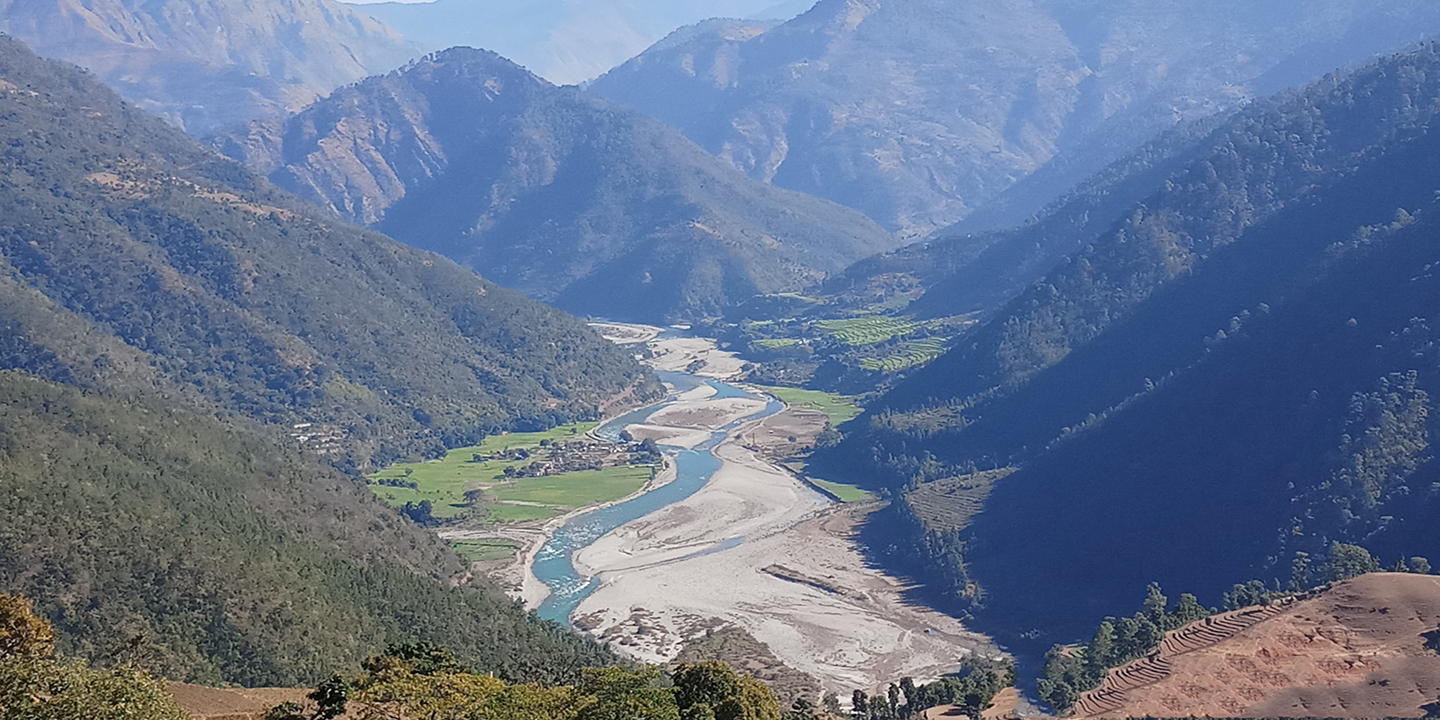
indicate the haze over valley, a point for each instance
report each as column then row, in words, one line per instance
column 863, row 359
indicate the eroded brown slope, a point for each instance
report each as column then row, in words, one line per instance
column 1358, row 650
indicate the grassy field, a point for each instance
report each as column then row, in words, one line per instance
column 846, row 493
column 841, row 409
column 520, row 513
column 576, row 489
column 482, row 549
column 444, row 482
column 798, row 296
column 917, row 352
column 777, row 343
column 867, row 330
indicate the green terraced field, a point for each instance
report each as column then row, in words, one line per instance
column 913, row 353
column 519, row 513
column 576, row 489
column 846, row 493
column 777, row 343
column 841, row 409
column 483, row 549
column 867, row 330
column 798, row 296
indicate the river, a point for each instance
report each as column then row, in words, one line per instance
column 554, row 563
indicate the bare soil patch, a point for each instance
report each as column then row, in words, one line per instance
column 1357, row 650
column 207, row 703
column 786, row 434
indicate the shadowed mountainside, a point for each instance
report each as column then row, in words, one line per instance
column 1239, row 368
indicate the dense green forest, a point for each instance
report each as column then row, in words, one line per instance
column 217, row 552
column 185, row 355
column 132, row 256
column 1238, row 369
column 570, row 198
column 406, row 680
column 38, row 684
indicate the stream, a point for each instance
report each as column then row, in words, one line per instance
column 554, row 564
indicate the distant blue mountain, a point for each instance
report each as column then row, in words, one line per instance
column 922, row 113
column 564, row 42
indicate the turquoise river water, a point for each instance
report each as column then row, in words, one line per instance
column 694, row 468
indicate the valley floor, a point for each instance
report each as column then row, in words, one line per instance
column 759, row 549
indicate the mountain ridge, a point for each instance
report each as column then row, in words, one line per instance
column 553, row 191
column 1236, row 370
column 920, row 113
column 137, row 256
column 203, row 64
column 566, row 43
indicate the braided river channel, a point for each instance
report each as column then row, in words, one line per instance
column 554, row 563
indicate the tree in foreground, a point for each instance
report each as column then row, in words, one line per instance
column 37, row 685
column 714, row 690
column 420, row 680
column 619, row 694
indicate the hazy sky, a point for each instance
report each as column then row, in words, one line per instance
column 564, row 41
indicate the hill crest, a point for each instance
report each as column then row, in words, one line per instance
column 1362, row 648
column 203, row 64
column 554, row 191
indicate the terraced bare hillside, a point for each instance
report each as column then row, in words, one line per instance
column 1362, row 649
column 950, row 503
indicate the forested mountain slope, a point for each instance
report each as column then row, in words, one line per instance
column 1238, row 369
column 206, row 63
column 556, row 192
column 217, row 552
column 921, row 112
column 134, row 257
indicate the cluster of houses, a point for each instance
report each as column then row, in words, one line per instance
column 323, row 439
column 574, row 455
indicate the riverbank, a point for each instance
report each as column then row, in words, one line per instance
column 697, row 356
column 756, row 548
column 516, row 575
column 689, row 419
column 759, row 550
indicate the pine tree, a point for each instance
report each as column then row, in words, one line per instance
column 1155, row 604
column 1348, row 561
column 1300, row 572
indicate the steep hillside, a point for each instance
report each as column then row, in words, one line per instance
column 217, row 552
column 564, row 42
column 977, row 273
column 553, row 191
column 1237, row 370
column 921, row 112
column 1361, row 649
column 131, row 256
column 203, row 64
